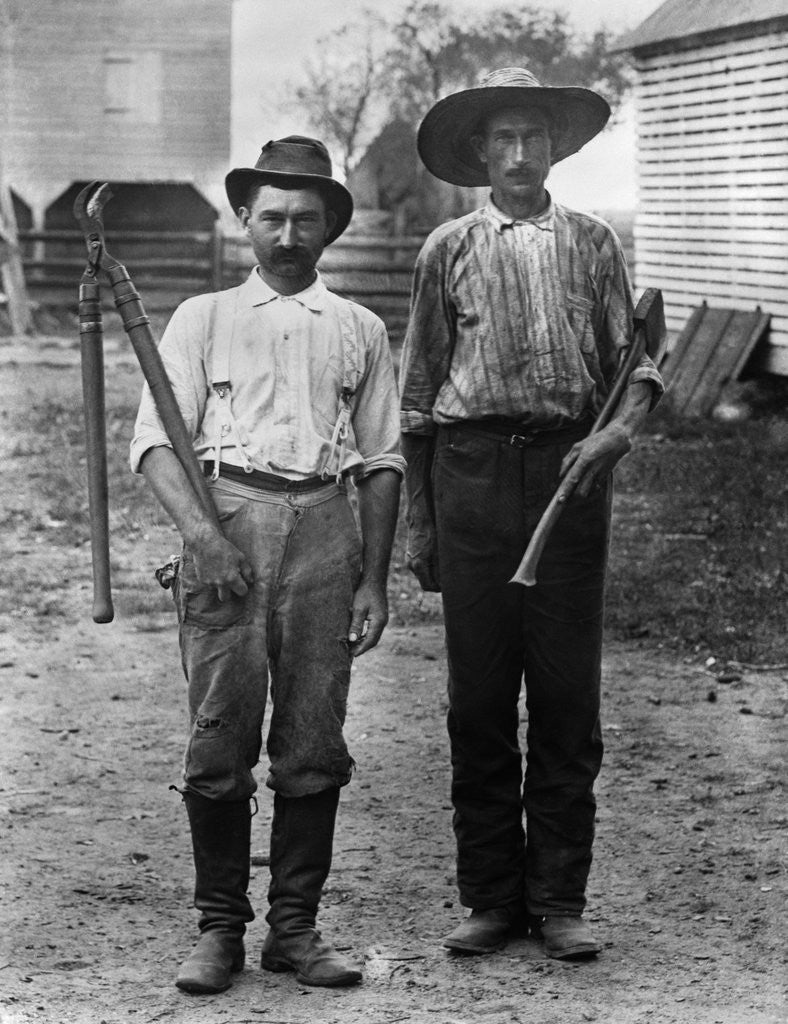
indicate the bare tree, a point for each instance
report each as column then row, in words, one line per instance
column 340, row 91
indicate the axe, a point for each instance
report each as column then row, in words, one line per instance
column 648, row 338
column 88, row 208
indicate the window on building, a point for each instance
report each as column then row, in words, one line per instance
column 133, row 87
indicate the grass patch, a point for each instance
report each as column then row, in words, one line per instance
column 700, row 552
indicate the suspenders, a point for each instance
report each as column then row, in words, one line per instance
column 223, row 319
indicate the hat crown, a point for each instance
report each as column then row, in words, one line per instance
column 295, row 154
column 517, row 78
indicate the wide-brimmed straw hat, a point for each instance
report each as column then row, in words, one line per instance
column 294, row 162
column 444, row 137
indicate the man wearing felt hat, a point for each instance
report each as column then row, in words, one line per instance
column 519, row 312
column 288, row 391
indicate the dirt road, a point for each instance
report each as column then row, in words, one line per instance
column 688, row 888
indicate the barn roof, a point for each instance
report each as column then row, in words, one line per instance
column 678, row 19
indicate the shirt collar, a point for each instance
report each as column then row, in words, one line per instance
column 545, row 220
column 257, row 293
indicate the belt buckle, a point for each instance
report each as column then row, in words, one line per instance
column 521, row 440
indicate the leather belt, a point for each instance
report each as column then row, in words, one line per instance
column 266, row 481
column 518, row 435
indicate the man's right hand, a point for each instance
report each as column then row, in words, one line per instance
column 219, row 564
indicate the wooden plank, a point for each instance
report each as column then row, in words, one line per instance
column 763, row 67
column 723, row 261
column 733, row 159
column 712, row 349
column 701, row 57
column 696, row 181
column 676, row 296
column 682, row 375
column 741, row 245
column 746, row 228
column 744, row 207
column 731, row 273
column 746, row 138
column 681, row 344
column 699, row 121
column 728, row 358
column 764, row 83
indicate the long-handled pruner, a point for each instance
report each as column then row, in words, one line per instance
column 88, row 207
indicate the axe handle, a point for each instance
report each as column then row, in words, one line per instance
column 137, row 326
column 91, row 336
column 526, row 570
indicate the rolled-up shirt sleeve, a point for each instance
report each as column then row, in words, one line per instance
column 617, row 303
column 182, row 356
column 429, row 340
column 375, row 417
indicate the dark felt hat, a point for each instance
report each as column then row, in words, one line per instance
column 294, row 162
column 444, row 137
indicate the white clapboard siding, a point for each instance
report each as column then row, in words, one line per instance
column 712, row 221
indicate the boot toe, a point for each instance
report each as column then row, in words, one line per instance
column 566, row 938
column 314, row 961
column 484, row 931
column 212, row 962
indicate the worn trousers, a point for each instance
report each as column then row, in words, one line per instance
column 290, row 629
column 489, row 497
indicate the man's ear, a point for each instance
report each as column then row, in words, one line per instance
column 477, row 141
column 331, row 221
column 243, row 216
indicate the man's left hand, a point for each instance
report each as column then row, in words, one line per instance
column 369, row 616
column 593, row 459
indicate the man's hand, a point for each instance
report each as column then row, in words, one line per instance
column 219, row 564
column 593, row 459
column 368, row 619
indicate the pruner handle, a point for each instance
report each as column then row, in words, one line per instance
column 91, row 336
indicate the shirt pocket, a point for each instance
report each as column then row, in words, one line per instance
column 580, row 321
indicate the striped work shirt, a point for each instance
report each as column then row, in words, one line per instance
column 517, row 319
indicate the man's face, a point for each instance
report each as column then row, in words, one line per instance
column 287, row 229
column 515, row 148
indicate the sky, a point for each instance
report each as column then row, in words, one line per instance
column 271, row 38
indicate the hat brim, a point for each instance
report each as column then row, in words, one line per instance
column 444, row 136
column 338, row 200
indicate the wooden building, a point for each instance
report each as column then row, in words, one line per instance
column 712, row 120
column 134, row 91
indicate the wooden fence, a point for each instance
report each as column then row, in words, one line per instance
column 168, row 267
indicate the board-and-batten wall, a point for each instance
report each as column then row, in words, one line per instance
column 712, row 218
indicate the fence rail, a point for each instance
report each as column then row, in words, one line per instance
column 169, row 266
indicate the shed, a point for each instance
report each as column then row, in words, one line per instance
column 711, row 98
column 120, row 90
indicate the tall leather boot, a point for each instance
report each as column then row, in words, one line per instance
column 220, row 839
column 302, row 837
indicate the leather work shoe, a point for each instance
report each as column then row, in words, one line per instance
column 565, row 938
column 483, row 931
column 311, row 957
column 208, row 968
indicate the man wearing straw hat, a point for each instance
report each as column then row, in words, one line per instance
column 288, row 390
column 519, row 312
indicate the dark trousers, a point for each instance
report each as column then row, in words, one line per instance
column 489, row 496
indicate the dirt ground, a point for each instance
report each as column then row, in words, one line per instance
column 688, row 887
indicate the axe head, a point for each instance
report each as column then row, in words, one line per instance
column 650, row 318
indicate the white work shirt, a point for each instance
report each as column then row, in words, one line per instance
column 286, row 369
